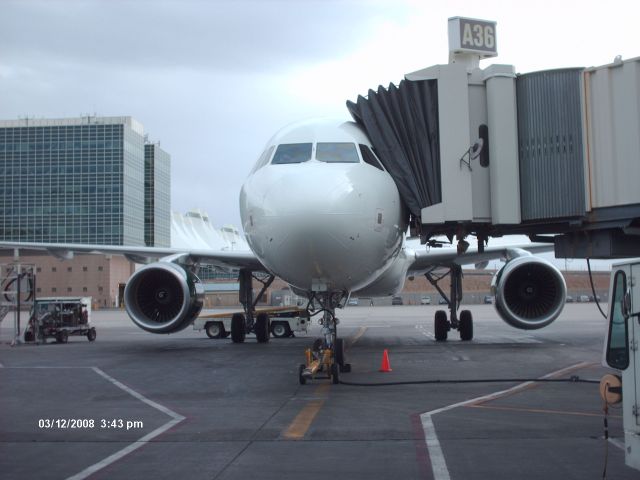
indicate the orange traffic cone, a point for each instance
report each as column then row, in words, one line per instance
column 385, row 366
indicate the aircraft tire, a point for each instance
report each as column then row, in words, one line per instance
column 339, row 352
column 301, row 377
column 466, row 325
column 62, row 336
column 335, row 375
column 262, row 328
column 440, row 326
column 237, row 328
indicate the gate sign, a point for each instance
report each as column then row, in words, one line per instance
column 468, row 35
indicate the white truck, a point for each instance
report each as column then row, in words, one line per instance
column 285, row 322
column 621, row 353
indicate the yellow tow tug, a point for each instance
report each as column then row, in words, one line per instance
column 322, row 360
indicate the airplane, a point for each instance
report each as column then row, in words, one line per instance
column 320, row 211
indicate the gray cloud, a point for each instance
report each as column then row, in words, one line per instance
column 207, row 79
column 217, row 35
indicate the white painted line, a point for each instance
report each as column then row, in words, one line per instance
column 617, row 443
column 438, row 462
column 141, row 442
column 125, row 451
column 139, row 396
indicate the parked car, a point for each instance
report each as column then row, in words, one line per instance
column 425, row 300
column 569, row 299
column 396, row 301
column 353, row 301
column 488, row 299
column 442, row 301
column 583, row 298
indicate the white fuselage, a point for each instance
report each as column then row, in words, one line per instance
column 318, row 225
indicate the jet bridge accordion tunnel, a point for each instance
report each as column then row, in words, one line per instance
column 490, row 152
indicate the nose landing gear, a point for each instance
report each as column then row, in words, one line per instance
column 327, row 354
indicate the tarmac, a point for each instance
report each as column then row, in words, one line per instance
column 138, row 405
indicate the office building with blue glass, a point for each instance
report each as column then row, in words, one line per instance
column 157, row 196
column 81, row 180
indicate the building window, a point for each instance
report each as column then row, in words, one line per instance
column 54, row 269
column 69, row 269
column 100, row 268
column 38, row 270
column 38, row 290
column 54, row 290
column 84, row 269
column 99, row 289
column 84, row 289
column 68, row 289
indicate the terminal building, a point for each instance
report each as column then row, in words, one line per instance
column 157, row 196
column 92, row 180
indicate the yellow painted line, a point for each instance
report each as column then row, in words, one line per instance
column 539, row 410
column 301, row 424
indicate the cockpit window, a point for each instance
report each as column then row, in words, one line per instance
column 292, row 153
column 337, row 153
column 264, row 159
column 369, row 157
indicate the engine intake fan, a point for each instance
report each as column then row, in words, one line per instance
column 163, row 297
column 530, row 292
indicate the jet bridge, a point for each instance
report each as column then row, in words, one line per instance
column 490, row 152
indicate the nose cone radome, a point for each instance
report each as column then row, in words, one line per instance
column 317, row 229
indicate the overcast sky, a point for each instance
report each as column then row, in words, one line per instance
column 213, row 81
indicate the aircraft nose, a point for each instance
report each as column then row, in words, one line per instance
column 320, row 191
column 308, row 228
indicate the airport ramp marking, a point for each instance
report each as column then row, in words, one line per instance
column 141, row 442
column 617, row 443
column 434, row 449
column 541, row 410
column 298, row 428
column 300, row 425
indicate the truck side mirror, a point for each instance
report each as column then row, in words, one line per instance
column 617, row 353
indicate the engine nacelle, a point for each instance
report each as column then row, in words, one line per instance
column 163, row 297
column 530, row 292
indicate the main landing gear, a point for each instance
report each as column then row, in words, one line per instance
column 327, row 356
column 241, row 324
column 464, row 323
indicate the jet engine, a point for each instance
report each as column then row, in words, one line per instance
column 530, row 292
column 163, row 297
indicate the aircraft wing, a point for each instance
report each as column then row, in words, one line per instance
column 426, row 260
column 225, row 259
